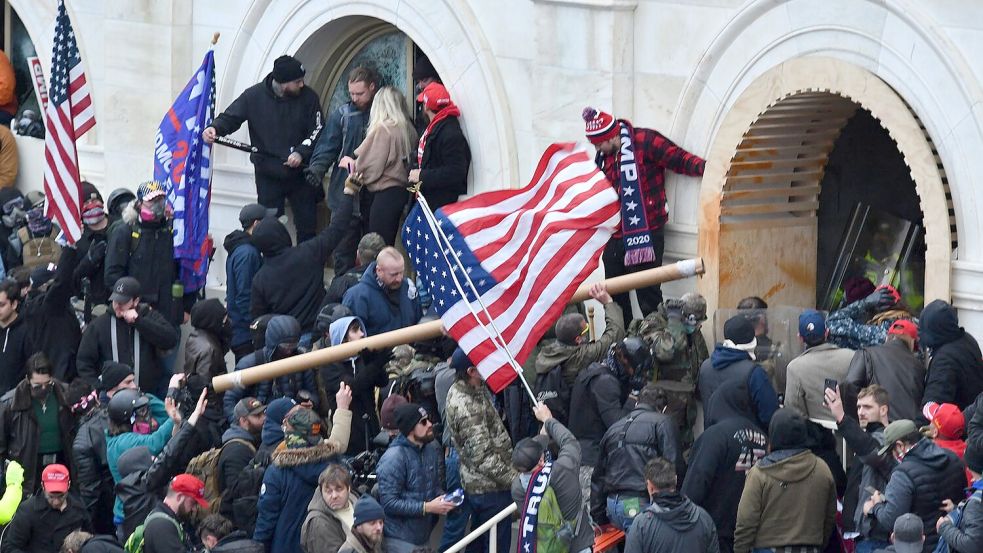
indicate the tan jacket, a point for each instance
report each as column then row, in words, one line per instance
column 383, row 160
column 789, row 499
column 807, row 374
column 9, row 164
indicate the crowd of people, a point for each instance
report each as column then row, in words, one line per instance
column 871, row 439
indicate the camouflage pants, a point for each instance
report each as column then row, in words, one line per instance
column 586, row 472
column 681, row 406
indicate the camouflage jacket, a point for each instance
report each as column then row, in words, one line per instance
column 577, row 358
column 855, row 327
column 405, row 360
column 677, row 355
column 482, row 443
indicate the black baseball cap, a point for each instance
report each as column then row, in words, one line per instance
column 254, row 212
column 125, row 289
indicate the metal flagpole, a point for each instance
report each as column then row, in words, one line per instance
column 497, row 338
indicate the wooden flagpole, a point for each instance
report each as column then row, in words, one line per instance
column 433, row 329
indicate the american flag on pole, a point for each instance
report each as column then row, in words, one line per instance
column 69, row 115
column 525, row 250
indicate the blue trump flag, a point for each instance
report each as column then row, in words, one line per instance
column 182, row 162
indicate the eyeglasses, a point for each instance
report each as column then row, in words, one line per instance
column 41, row 386
column 425, row 421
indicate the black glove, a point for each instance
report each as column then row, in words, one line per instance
column 674, row 309
column 879, row 300
column 97, row 251
column 314, row 175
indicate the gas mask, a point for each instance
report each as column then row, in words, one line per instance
column 142, row 422
column 14, row 214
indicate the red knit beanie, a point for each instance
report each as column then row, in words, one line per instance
column 599, row 126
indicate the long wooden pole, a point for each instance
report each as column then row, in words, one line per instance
column 432, row 329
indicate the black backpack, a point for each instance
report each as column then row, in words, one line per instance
column 553, row 390
column 240, row 502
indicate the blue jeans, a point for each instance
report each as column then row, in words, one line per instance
column 483, row 507
column 456, row 522
column 869, row 545
column 620, row 515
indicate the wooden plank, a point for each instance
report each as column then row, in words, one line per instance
column 746, row 154
column 808, row 117
column 763, row 209
column 767, row 164
column 800, row 127
column 758, row 193
column 790, row 132
column 783, row 222
column 777, row 178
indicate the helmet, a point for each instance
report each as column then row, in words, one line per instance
column 124, row 403
column 329, row 314
column 634, row 352
column 118, row 198
column 694, row 306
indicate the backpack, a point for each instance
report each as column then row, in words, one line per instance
column 134, row 543
column 554, row 533
column 956, row 515
column 242, row 498
column 551, row 389
column 205, row 467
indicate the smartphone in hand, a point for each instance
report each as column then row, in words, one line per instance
column 829, row 384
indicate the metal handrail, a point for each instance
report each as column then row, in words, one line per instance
column 477, row 532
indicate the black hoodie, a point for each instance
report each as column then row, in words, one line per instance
column 955, row 372
column 291, row 281
column 672, row 524
column 721, row 457
column 15, row 348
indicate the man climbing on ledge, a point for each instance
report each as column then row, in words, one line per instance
column 634, row 160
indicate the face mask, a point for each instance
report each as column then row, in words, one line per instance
column 152, row 212
column 690, row 328
column 40, row 392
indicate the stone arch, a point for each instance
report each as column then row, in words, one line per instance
column 777, row 137
column 458, row 50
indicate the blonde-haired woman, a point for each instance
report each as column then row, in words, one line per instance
column 383, row 163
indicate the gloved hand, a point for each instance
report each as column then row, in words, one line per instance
column 674, row 310
column 97, row 251
column 880, row 300
column 15, row 474
column 314, row 175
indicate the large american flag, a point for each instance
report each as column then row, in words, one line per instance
column 69, row 116
column 525, row 250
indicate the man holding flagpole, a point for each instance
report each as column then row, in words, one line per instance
column 634, row 160
column 69, row 115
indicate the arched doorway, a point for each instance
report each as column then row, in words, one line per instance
column 759, row 230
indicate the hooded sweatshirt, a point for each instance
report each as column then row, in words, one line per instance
column 284, row 329
column 730, row 364
column 576, row 358
column 325, row 529
column 772, row 512
column 14, row 350
column 955, row 371
column 204, row 355
column 291, row 280
column 242, row 262
column 672, row 524
column 362, row 377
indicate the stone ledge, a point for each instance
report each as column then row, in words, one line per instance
column 613, row 5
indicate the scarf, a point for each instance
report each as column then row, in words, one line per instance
column 634, row 219
column 530, row 508
column 450, row 110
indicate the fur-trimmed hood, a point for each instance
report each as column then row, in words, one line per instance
column 130, row 214
column 324, row 451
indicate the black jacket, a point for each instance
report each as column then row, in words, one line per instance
column 51, row 320
column 161, row 535
column 291, row 281
column 341, row 283
column 895, row 368
column 142, row 485
column 101, row 544
column 156, row 334
column 927, row 475
column 446, row 160
column 235, row 455
column 19, row 433
column 596, row 402
column 238, row 542
column 92, row 476
column 37, row 528
column 16, row 348
column 278, row 125
column 626, row 447
column 875, row 471
column 92, row 249
column 718, row 466
column 955, row 372
column 145, row 251
column 672, row 524
column 363, row 379
column 204, row 357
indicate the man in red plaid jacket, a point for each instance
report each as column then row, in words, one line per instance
column 630, row 156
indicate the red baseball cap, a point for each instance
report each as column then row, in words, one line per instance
column 434, row 97
column 946, row 418
column 55, row 478
column 904, row 327
column 190, row 486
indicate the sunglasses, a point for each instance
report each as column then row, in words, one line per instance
column 425, row 421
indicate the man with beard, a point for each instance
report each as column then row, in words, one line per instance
column 162, row 531
column 368, row 528
column 36, row 422
column 239, row 444
column 204, row 359
column 409, row 476
column 384, row 299
column 284, row 119
column 16, row 338
column 44, row 520
column 242, row 262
